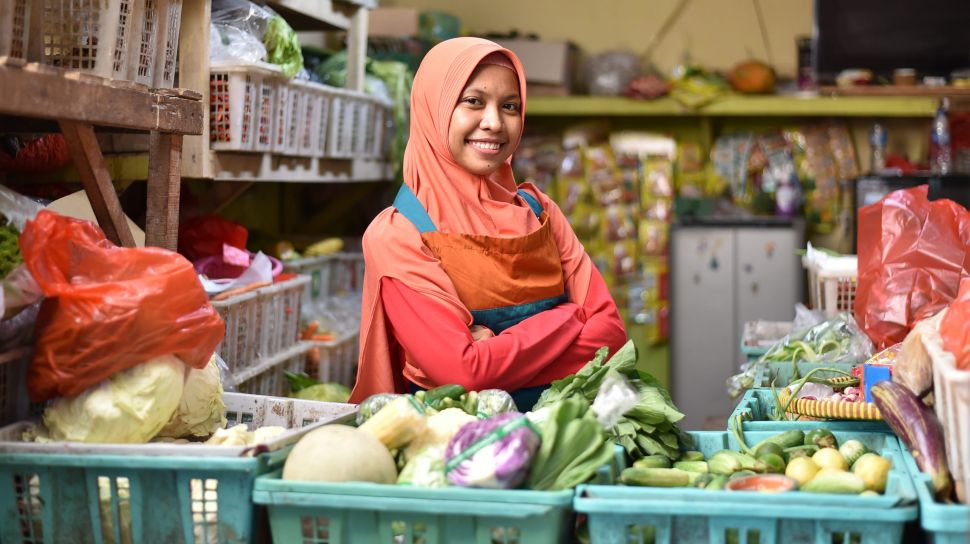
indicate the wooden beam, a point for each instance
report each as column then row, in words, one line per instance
column 164, row 184
column 83, row 146
column 357, row 50
column 35, row 90
column 194, row 74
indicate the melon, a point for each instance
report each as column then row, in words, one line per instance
column 338, row 453
column 752, row 77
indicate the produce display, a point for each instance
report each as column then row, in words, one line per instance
column 812, row 462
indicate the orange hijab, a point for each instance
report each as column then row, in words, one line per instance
column 457, row 202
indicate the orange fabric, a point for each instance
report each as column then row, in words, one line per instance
column 515, row 270
column 457, row 201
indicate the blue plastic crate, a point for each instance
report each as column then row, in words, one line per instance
column 348, row 513
column 781, row 373
column 945, row 523
column 758, row 405
column 108, row 493
column 621, row 514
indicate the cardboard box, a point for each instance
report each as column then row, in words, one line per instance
column 547, row 64
column 393, row 22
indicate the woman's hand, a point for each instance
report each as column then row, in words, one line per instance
column 481, row 332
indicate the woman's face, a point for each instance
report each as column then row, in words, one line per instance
column 486, row 125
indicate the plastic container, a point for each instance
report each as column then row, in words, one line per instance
column 832, row 283
column 241, row 106
column 14, row 28
column 944, row 523
column 309, row 119
column 340, row 136
column 283, row 118
column 260, row 324
column 758, row 336
column 63, row 492
column 329, row 274
column 268, row 377
column 133, row 40
column 13, row 385
column 689, row 516
column 757, row 406
column 951, row 389
column 338, row 360
column 322, row 139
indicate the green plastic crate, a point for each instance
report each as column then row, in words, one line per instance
column 781, row 373
column 122, row 494
column 640, row 515
column 318, row 513
column 945, row 523
column 758, row 405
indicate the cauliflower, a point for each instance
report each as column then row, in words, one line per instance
column 441, row 427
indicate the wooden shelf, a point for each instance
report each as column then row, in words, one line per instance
column 736, row 106
column 316, row 14
column 38, row 91
column 266, row 167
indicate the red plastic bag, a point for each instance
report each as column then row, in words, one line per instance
column 203, row 236
column 912, row 256
column 109, row 308
column 955, row 327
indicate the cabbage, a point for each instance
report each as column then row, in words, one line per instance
column 201, row 411
column 492, row 453
column 323, row 392
column 441, row 428
column 130, row 407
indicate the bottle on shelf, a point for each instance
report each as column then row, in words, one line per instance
column 940, row 160
column 878, row 139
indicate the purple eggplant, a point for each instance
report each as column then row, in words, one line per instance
column 920, row 430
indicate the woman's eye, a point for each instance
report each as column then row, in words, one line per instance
column 471, row 100
column 511, row 106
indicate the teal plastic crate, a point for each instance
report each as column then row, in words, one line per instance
column 123, row 494
column 944, row 523
column 318, row 513
column 781, row 373
column 757, row 405
column 641, row 515
column 348, row 513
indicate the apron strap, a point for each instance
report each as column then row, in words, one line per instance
column 531, row 201
column 411, row 208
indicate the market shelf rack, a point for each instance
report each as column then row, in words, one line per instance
column 189, row 493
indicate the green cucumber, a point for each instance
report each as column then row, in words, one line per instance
column 769, row 447
column 692, row 466
column 785, row 439
column 655, row 477
column 700, row 479
column 691, row 456
column 652, row 461
column 434, row 397
column 835, row 482
column 741, row 474
column 717, row 482
column 773, row 463
column 724, row 462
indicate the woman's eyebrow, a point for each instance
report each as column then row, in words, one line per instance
column 480, row 91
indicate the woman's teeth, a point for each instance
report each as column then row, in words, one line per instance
column 489, row 146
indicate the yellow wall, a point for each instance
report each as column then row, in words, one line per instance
column 716, row 33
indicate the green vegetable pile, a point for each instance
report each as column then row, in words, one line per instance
column 283, row 46
column 9, row 249
column 306, row 388
column 649, row 428
column 573, row 446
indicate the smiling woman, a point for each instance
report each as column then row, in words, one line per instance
column 471, row 278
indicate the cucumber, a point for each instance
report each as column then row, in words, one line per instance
column 785, row 439
column 769, row 447
column 652, row 461
column 691, row 456
column 435, row 397
column 655, row 477
column 773, row 463
column 692, row 466
column 717, row 482
column 852, row 450
column 724, row 462
column 741, row 474
column 700, row 479
column 835, row 482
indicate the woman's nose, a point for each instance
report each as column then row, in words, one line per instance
column 491, row 120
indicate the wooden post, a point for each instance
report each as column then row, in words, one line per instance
column 164, row 184
column 194, row 74
column 357, row 49
column 83, row 146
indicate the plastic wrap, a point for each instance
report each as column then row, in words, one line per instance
column 109, row 308
column 912, row 256
column 492, row 402
column 493, row 453
column 615, row 398
column 955, row 327
column 914, row 367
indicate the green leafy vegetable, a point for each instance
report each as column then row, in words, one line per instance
column 283, row 46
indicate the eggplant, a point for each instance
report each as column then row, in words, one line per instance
column 920, row 430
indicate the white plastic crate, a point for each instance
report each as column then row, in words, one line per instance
column 329, row 274
column 279, row 121
column 309, row 119
column 134, row 40
column 14, row 402
column 832, row 281
column 287, row 116
column 14, row 28
column 322, row 141
column 338, row 360
column 260, row 324
column 267, row 377
column 951, row 391
column 241, row 106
